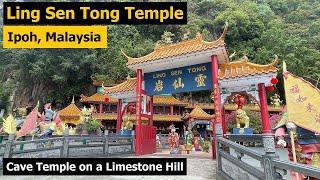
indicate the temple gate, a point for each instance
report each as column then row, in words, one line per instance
column 191, row 65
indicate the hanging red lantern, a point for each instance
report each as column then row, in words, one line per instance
column 106, row 99
column 274, row 80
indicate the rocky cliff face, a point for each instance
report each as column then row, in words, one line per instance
column 22, row 96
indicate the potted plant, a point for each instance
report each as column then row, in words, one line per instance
column 206, row 146
column 92, row 125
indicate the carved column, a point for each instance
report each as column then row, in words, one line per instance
column 139, row 113
column 151, row 111
column 119, row 115
column 267, row 137
column 217, row 103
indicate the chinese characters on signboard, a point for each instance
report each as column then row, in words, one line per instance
column 184, row 79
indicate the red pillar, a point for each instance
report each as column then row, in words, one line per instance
column 171, row 110
column 217, row 103
column 100, row 108
column 266, row 128
column 119, row 115
column 151, row 111
column 138, row 112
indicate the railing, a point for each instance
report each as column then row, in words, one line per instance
column 68, row 146
column 236, row 161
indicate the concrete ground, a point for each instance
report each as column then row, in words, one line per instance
column 200, row 166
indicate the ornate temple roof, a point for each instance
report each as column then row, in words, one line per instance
column 126, row 86
column 98, row 98
column 187, row 52
column 199, row 113
column 167, row 100
column 177, row 49
column 243, row 67
column 70, row 111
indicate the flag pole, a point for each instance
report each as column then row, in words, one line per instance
column 291, row 127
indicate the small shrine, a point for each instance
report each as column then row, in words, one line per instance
column 200, row 121
column 70, row 114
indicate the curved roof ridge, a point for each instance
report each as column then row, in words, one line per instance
column 98, row 97
column 199, row 113
column 245, row 59
column 126, row 85
column 161, row 51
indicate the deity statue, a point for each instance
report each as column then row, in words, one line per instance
column 47, row 129
column 188, row 137
column 49, row 113
column 275, row 100
column 242, row 119
column 173, row 138
column 196, row 143
column 127, row 124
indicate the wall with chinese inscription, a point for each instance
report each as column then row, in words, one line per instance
column 184, row 79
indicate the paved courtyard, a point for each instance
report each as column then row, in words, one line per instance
column 200, row 166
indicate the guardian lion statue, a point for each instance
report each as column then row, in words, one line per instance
column 242, row 119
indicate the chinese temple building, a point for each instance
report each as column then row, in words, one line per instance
column 192, row 65
column 167, row 110
column 71, row 114
column 235, row 77
column 104, row 108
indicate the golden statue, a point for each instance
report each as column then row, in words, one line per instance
column 275, row 100
column 242, row 119
column 127, row 124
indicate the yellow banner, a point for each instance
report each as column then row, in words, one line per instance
column 54, row 36
column 303, row 102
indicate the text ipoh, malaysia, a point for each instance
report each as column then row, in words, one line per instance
column 108, row 168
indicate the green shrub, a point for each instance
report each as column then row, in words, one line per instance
column 92, row 125
column 206, row 146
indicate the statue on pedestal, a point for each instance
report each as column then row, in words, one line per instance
column 242, row 119
column 173, row 138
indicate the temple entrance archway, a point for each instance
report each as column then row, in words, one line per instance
column 191, row 65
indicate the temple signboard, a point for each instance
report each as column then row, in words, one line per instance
column 178, row 80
